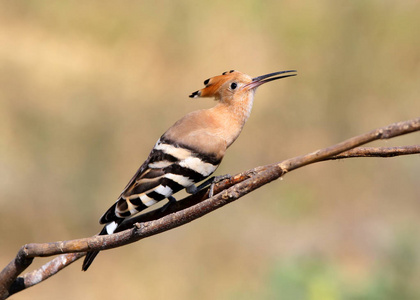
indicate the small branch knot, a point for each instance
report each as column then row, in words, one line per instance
column 380, row 133
column 226, row 196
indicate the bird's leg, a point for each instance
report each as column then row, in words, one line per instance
column 172, row 200
column 209, row 182
column 217, row 179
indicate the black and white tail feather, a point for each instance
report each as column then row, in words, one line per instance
column 169, row 168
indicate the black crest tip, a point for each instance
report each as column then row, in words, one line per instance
column 195, row 94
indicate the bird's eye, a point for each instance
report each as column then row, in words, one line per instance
column 233, row 85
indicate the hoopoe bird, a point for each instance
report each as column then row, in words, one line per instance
column 189, row 151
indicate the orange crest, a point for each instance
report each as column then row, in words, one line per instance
column 213, row 84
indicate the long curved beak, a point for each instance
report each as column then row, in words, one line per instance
column 257, row 81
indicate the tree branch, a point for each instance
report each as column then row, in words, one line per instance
column 191, row 208
column 378, row 152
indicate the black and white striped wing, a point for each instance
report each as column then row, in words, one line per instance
column 168, row 169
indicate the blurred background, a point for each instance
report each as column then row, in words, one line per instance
column 86, row 89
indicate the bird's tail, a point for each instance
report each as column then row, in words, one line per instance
column 90, row 256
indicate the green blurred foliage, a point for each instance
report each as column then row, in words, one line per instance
column 86, row 88
column 315, row 277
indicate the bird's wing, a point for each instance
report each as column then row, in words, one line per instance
column 169, row 168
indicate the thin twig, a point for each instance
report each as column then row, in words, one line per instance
column 378, row 152
column 46, row 271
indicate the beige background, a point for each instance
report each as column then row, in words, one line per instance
column 87, row 87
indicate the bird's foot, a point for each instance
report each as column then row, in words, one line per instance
column 209, row 182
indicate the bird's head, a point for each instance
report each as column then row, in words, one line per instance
column 234, row 84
